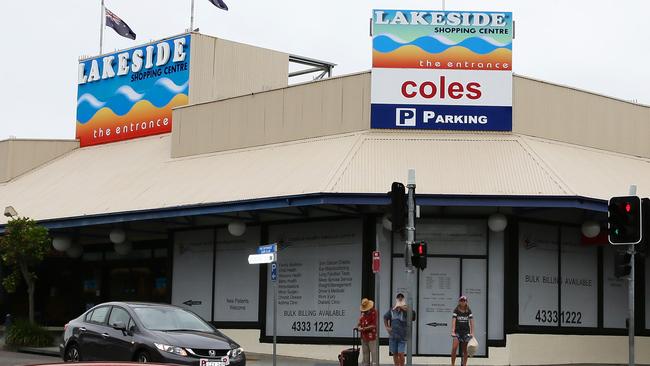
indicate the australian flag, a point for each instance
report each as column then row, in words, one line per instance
column 118, row 25
column 219, row 4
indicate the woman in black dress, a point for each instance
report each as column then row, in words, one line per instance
column 462, row 329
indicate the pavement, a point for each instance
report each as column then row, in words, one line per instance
column 31, row 355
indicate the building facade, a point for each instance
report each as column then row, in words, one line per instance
column 252, row 160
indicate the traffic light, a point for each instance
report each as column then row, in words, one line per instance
column 419, row 255
column 624, row 220
column 622, row 264
column 397, row 206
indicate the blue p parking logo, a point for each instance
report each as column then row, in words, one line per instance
column 405, row 117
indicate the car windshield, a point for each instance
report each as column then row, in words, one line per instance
column 170, row 319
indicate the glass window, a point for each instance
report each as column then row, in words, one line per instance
column 118, row 315
column 132, row 327
column 99, row 315
column 170, row 319
column 88, row 316
column 579, row 267
column 538, row 275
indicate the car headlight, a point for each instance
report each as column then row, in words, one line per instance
column 235, row 352
column 171, row 349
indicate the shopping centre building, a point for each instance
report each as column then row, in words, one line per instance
column 169, row 208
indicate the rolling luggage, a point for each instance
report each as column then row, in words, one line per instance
column 350, row 356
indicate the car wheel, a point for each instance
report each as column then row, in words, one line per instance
column 72, row 353
column 143, row 357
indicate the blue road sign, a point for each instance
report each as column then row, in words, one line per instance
column 267, row 249
column 274, row 272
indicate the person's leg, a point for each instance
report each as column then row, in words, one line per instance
column 454, row 351
column 365, row 350
column 402, row 350
column 374, row 352
column 392, row 347
column 464, row 349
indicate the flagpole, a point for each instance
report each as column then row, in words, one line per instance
column 192, row 18
column 101, row 29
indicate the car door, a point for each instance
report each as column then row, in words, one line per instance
column 90, row 337
column 118, row 343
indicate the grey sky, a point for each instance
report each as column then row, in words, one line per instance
column 599, row 46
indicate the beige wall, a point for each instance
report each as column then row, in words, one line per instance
column 578, row 117
column 341, row 105
column 322, row 108
column 222, row 69
column 521, row 349
column 20, row 156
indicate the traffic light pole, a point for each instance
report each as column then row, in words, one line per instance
column 410, row 239
column 630, row 293
column 630, row 300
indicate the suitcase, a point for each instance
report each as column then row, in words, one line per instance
column 350, row 356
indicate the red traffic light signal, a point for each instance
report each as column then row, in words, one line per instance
column 419, row 255
column 624, row 220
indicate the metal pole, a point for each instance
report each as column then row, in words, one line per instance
column 630, row 300
column 192, row 18
column 275, row 321
column 102, row 18
column 410, row 239
column 630, row 297
column 377, row 302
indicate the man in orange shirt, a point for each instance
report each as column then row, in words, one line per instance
column 368, row 328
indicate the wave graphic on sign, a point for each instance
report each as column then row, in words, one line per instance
column 125, row 98
column 437, row 44
column 142, row 114
column 460, row 58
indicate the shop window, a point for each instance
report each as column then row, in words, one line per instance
column 579, row 290
column 319, row 279
column 236, row 294
column 614, row 292
column 558, row 277
column 457, row 264
column 192, row 269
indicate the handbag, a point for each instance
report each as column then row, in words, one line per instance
column 472, row 346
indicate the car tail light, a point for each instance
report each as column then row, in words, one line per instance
column 65, row 327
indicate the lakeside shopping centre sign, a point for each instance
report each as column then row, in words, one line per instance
column 131, row 93
column 442, row 70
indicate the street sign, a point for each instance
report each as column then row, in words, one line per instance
column 266, row 249
column 261, row 258
column 376, row 261
column 274, row 272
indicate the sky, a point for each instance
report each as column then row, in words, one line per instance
column 599, row 46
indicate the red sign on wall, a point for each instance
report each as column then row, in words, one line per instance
column 376, row 262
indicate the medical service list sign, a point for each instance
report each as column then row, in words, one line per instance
column 131, row 93
column 442, row 70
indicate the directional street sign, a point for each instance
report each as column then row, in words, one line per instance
column 266, row 249
column 274, row 272
column 261, row 258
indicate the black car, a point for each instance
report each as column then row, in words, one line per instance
column 124, row 331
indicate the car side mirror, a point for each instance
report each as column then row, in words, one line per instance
column 119, row 326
